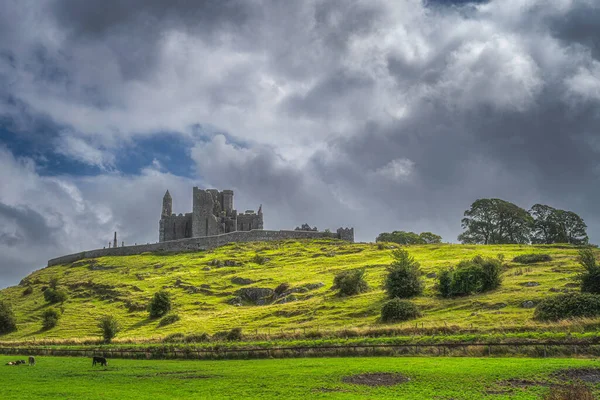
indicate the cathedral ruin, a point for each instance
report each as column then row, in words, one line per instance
column 212, row 214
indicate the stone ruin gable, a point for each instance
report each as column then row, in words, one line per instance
column 206, row 211
column 346, row 234
column 175, row 227
column 201, row 243
column 250, row 220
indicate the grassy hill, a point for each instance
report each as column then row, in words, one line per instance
column 201, row 286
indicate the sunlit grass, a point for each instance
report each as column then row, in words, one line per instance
column 119, row 285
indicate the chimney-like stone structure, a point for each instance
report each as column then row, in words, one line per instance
column 115, row 240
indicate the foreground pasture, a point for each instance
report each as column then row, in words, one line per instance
column 420, row 378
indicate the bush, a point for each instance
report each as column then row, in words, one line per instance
column 258, row 259
column 404, row 276
column 570, row 305
column 473, row 276
column 109, row 327
column 53, row 282
column 466, row 279
column 197, row 337
column 54, row 296
column 169, row 319
column 350, row 282
column 160, row 304
column 590, row 278
column 232, row 335
column 490, row 273
column 50, row 318
column 174, row 338
column 28, row 290
column 532, row 258
column 445, row 282
column 8, row 322
column 397, row 310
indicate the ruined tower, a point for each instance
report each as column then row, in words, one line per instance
column 212, row 214
column 167, row 208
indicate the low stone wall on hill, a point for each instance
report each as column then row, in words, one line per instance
column 204, row 243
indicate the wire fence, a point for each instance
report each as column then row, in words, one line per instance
column 535, row 349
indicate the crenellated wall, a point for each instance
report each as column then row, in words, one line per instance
column 204, row 243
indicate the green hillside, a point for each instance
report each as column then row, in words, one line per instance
column 201, row 286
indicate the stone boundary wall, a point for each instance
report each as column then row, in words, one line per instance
column 199, row 243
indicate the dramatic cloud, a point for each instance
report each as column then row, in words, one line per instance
column 376, row 114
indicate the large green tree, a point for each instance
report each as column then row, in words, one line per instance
column 495, row 221
column 552, row 225
column 402, row 237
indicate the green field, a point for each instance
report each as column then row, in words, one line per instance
column 201, row 284
column 429, row 378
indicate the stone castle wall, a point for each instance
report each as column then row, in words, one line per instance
column 204, row 243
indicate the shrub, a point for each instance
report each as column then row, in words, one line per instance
column 445, row 282
column 53, row 282
column 473, row 276
column 570, row 305
column 397, row 310
column 28, row 290
column 160, row 304
column 590, row 278
column 466, row 279
column 109, row 327
column 169, row 319
column 53, row 296
column 490, row 273
column 8, row 322
column 404, row 276
column 231, row 335
column 197, row 337
column 258, row 259
column 350, row 282
column 50, row 318
column 532, row 258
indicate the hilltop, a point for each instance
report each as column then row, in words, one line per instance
column 203, row 286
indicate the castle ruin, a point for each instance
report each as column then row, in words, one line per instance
column 212, row 214
column 213, row 222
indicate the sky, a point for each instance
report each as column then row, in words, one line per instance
column 377, row 114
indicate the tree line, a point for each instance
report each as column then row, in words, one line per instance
column 497, row 221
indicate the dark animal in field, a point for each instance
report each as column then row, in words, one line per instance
column 31, row 360
column 18, row 362
column 100, row 360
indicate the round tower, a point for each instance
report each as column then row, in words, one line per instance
column 167, row 207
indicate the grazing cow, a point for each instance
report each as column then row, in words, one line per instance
column 100, row 360
column 31, row 360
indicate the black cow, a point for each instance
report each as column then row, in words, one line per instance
column 31, row 360
column 100, row 360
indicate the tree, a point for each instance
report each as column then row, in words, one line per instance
column 109, row 327
column 404, row 276
column 495, row 221
column 590, row 278
column 53, row 296
column 403, row 237
column 557, row 226
column 430, row 238
column 160, row 304
column 397, row 310
column 8, row 322
column 50, row 318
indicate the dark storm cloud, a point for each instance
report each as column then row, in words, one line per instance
column 24, row 225
column 378, row 114
column 580, row 25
